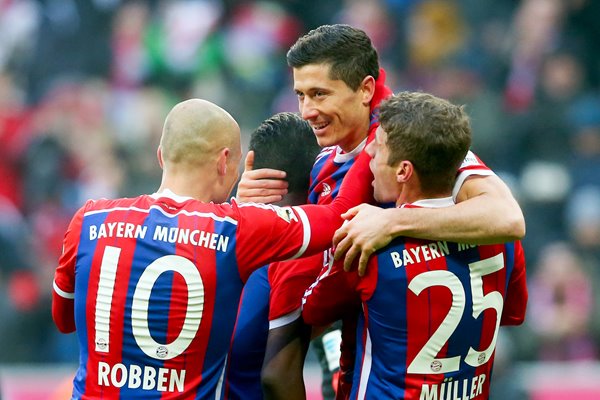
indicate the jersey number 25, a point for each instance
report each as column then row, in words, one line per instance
column 424, row 362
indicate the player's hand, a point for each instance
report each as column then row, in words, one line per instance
column 364, row 232
column 263, row 185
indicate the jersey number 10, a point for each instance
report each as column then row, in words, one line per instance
column 139, row 306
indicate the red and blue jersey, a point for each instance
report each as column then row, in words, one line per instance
column 249, row 341
column 431, row 311
column 330, row 167
column 153, row 284
column 288, row 284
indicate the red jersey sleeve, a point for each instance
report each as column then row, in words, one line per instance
column 471, row 165
column 330, row 296
column 515, row 303
column 288, row 282
column 269, row 233
column 63, row 295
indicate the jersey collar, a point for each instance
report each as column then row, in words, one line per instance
column 432, row 203
column 168, row 193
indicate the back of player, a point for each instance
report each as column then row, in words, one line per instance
column 285, row 142
column 151, row 284
column 146, row 324
column 443, row 304
column 156, row 282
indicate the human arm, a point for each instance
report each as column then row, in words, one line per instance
column 515, row 301
column 268, row 233
column 264, row 185
column 330, row 297
column 63, row 295
column 282, row 372
column 486, row 213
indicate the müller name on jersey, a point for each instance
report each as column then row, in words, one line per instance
column 196, row 237
column 136, row 377
column 454, row 390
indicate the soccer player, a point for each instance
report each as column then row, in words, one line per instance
column 285, row 142
column 431, row 309
column 152, row 284
column 339, row 86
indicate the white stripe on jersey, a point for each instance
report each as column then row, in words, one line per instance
column 306, row 236
column 165, row 213
column 286, row 319
column 365, row 371
column 62, row 293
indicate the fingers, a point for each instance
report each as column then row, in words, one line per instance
column 260, row 195
column 351, row 213
column 339, row 244
column 263, row 173
column 363, row 261
column 350, row 256
column 249, row 162
column 261, row 199
column 263, row 185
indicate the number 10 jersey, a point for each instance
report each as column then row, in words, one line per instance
column 152, row 286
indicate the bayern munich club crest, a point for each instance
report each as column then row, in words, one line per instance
column 161, row 352
column 481, row 358
column 101, row 344
column 436, row 366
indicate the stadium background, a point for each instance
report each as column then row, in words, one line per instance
column 85, row 86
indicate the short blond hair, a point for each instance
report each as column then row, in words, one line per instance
column 195, row 130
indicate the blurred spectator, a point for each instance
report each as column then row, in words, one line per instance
column 561, row 305
column 583, row 206
column 536, row 31
column 583, row 219
column 73, row 40
column 130, row 59
column 542, row 138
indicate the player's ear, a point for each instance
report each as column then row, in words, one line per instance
column 160, row 157
column 222, row 159
column 404, row 171
column 367, row 88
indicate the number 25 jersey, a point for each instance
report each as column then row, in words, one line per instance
column 431, row 314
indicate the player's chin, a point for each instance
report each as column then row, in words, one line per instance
column 325, row 141
column 377, row 196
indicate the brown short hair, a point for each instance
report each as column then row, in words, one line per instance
column 432, row 133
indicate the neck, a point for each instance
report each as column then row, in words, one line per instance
column 198, row 186
column 410, row 195
column 357, row 135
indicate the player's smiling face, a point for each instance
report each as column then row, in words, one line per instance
column 337, row 114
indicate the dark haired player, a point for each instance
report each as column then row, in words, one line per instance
column 431, row 309
column 284, row 142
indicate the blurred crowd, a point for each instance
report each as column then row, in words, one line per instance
column 85, row 87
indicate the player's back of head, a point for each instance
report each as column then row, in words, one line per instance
column 434, row 134
column 347, row 50
column 196, row 130
column 286, row 142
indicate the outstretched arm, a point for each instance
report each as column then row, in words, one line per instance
column 486, row 213
column 263, row 185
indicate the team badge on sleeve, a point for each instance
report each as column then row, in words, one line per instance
column 285, row 213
